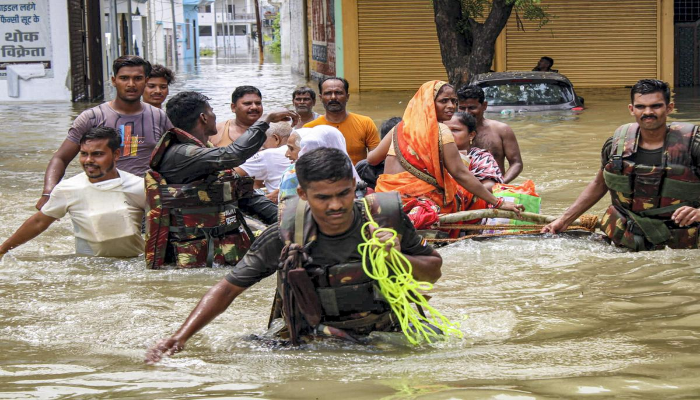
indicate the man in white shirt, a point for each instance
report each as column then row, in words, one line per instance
column 267, row 166
column 106, row 205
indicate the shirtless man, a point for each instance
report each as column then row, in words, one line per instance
column 246, row 103
column 493, row 136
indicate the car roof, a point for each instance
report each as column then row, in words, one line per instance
column 507, row 76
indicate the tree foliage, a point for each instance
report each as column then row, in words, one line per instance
column 531, row 10
column 276, row 46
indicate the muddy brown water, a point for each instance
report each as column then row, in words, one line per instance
column 554, row 318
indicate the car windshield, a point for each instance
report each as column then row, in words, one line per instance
column 526, row 92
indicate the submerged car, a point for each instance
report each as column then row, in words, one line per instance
column 528, row 91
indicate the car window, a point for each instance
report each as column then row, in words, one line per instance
column 527, row 93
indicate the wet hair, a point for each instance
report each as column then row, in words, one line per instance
column 160, row 71
column 242, row 91
column 648, row 86
column 304, row 90
column 550, row 60
column 114, row 139
column 282, row 129
column 184, row 109
column 346, row 84
column 388, row 124
column 131, row 61
column 323, row 164
column 467, row 92
column 467, row 120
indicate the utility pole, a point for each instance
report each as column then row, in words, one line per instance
column 129, row 35
column 228, row 28
column 234, row 27
column 112, row 52
column 259, row 22
column 216, row 34
column 149, row 53
column 231, row 26
column 172, row 9
column 223, row 29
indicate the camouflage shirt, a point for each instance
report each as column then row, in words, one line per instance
column 262, row 259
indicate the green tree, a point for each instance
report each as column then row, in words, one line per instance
column 468, row 29
column 276, row 46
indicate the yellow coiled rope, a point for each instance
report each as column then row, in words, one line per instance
column 393, row 273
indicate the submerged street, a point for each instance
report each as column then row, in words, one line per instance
column 542, row 318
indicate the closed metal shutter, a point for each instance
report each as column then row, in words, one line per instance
column 596, row 43
column 398, row 45
column 78, row 51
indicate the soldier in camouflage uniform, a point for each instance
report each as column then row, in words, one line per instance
column 194, row 197
column 651, row 170
column 313, row 249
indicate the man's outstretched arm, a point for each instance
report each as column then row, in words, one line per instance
column 587, row 199
column 512, row 152
column 214, row 302
column 30, row 229
column 57, row 168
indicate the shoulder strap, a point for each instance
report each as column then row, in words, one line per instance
column 299, row 222
column 296, row 222
column 424, row 176
column 165, row 140
column 386, row 209
column 624, row 144
column 678, row 143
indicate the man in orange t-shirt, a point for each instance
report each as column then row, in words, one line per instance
column 361, row 135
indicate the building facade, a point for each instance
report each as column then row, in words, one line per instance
column 229, row 27
column 185, row 30
column 393, row 45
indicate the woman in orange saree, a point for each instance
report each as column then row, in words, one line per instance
column 423, row 160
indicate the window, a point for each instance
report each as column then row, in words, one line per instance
column 204, row 9
column 686, row 10
column 527, row 93
column 205, row 30
column 241, row 30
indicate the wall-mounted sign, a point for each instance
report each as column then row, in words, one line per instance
column 25, row 34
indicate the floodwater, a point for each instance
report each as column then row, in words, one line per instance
column 542, row 318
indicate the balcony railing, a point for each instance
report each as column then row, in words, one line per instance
column 241, row 16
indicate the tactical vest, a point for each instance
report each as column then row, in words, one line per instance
column 644, row 197
column 195, row 224
column 330, row 299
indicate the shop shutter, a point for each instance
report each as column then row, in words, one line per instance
column 398, row 45
column 596, row 43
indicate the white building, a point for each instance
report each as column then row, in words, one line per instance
column 229, row 26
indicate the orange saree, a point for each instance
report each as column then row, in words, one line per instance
column 418, row 146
